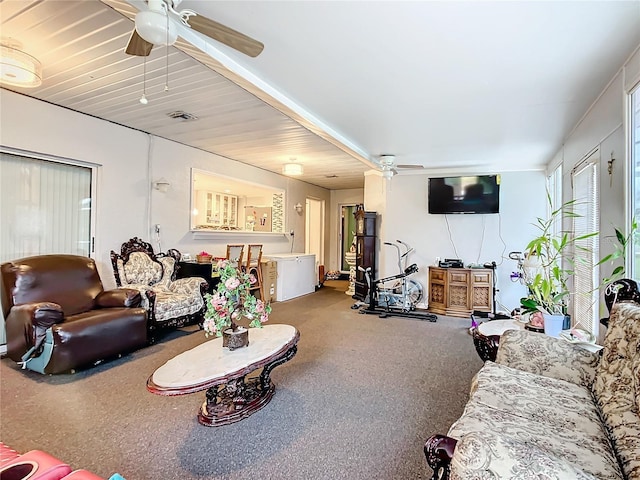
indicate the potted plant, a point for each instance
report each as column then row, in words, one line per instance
column 620, row 252
column 231, row 302
column 550, row 266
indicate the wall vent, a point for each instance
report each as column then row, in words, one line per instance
column 180, row 115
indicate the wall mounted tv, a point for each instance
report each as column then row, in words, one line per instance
column 472, row 194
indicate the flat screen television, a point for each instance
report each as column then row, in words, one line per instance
column 472, row 194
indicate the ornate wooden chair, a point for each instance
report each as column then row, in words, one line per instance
column 170, row 302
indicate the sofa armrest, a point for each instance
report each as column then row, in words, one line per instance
column 548, row 356
column 26, row 327
column 119, row 297
column 438, row 449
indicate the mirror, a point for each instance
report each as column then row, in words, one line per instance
column 220, row 204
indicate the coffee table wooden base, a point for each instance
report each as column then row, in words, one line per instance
column 223, row 407
column 240, row 397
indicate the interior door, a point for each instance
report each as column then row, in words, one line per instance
column 314, row 231
column 347, row 234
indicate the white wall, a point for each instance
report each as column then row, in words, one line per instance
column 473, row 238
column 129, row 161
column 604, row 127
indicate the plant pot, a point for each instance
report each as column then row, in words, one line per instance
column 553, row 324
column 235, row 339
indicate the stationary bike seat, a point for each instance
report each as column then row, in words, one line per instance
column 413, row 268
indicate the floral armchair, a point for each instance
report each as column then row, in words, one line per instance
column 170, row 302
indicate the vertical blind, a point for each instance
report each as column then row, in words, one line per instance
column 585, row 194
column 45, row 207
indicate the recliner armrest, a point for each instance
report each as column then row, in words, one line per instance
column 27, row 325
column 119, row 297
column 548, row 356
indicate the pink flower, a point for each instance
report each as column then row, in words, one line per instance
column 222, row 264
column 264, row 317
column 209, row 325
column 259, row 306
column 252, row 279
column 218, row 302
column 232, row 283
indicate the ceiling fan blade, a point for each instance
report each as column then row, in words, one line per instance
column 409, row 166
column 138, row 46
column 226, row 35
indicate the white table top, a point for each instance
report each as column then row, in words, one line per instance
column 498, row 327
column 209, row 361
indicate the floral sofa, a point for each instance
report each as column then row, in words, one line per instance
column 549, row 409
column 170, row 302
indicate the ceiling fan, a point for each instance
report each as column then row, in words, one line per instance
column 161, row 22
column 390, row 167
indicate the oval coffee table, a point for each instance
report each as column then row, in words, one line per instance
column 486, row 336
column 222, row 373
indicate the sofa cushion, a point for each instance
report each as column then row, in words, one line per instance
column 171, row 305
column 141, row 269
column 168, row 265
column 480, row 454
column 616, row 385
column 548, row 356
column 549, row 416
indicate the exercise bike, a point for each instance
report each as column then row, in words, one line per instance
column 399, row 299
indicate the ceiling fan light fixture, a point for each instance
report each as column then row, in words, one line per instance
column 18, row 68
column 292, row 169
column 152, row 26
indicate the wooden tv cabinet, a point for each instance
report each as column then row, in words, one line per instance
column 457, row 292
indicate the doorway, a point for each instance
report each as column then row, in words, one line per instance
column 347, row 234
column 314, row 231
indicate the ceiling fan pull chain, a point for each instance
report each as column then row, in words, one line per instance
column 143, row 98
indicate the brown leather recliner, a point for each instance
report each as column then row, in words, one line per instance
column 58, row 316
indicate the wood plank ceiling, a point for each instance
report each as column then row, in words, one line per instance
column 80, row 44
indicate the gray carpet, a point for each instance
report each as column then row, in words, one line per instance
column 356, row 402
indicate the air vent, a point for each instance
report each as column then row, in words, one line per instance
column 180, row 115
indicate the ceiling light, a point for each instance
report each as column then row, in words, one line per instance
column 156, row 28
column 292, row 169
column 18, row 68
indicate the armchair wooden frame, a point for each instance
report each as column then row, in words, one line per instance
column 138, row 245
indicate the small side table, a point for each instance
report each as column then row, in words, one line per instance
column 486, row 336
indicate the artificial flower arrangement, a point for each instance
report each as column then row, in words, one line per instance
column 232, row 300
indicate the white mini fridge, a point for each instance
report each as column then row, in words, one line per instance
column 296, row 274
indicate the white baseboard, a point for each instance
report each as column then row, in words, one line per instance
column 3, row 349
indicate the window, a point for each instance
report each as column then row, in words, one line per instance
column 586, row 254
column 45, row 207
column 634, row 156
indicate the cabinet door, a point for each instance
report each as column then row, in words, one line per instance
column 459, row 295
column 482, row 290
column 437, row 289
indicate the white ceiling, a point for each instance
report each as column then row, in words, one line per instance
column 480, row 86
